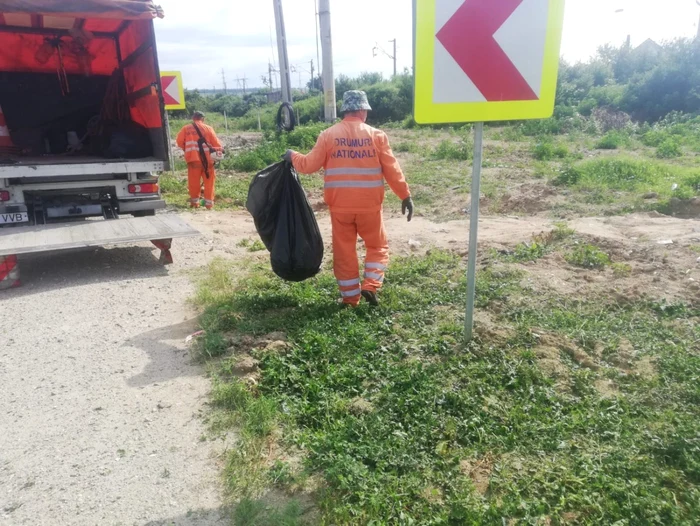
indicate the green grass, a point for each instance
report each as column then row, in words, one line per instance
column 669, row 149
column 259, row 513
column 612, row 141
column 454, row 151
column 546, row 151
column 554, row 449
column 628, row 175
column 588, row 256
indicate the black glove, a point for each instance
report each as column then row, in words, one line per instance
column 288, row 156
column 407, row 205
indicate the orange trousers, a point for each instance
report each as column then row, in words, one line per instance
column 195, row 175
column 346, row 228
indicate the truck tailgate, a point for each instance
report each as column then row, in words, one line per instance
column 92, row 233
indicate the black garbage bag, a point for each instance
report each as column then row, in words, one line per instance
column 286, row 223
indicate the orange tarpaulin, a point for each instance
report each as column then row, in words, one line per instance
column 120, row 9
column 94, row 37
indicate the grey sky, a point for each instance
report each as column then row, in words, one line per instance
column 238, row 36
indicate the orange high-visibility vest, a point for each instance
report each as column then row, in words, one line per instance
column 188, row 139
column 357, row 159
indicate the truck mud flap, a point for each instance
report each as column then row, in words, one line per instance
column 92, row 233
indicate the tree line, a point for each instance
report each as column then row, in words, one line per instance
column 645, row 83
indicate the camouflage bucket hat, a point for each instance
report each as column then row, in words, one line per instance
column 355, row 101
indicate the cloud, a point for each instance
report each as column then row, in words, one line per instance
column 202, row 38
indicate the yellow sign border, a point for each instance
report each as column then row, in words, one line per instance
column 428, row 112
column 181, row 90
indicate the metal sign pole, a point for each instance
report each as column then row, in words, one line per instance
column 170, row 144
column 474, row 228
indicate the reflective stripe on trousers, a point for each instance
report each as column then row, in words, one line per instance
column 375, row 271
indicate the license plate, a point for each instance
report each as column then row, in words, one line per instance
column 15, row 217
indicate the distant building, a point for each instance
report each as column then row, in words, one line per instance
column 648, row 48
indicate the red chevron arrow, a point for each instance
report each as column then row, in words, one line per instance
column 469, row 37
column 166, row 81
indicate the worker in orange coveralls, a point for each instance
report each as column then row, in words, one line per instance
column 357, row 159
column 198, row 140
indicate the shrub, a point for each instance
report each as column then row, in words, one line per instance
column 621, row 270
column 588, row 256
column 451, row 151
column 543, row 151
column 406, row 146
column 610, row 141
column 569, row 176
column 546, row 151
column 654, row 138
column 529, row 251
column 669, row 149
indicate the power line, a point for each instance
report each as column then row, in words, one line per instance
column 377, row 48
column 241, row 82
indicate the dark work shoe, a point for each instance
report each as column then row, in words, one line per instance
column 371, row 297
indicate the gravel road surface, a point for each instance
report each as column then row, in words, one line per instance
column 101, row 407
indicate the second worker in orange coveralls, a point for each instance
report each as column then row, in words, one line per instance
column 357, row 159
column 198, row 140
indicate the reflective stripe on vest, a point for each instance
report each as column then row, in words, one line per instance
column 355, row 184
column 335, row 172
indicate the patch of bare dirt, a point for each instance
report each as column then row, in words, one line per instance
column 233, row 144
column 479, row 470
column 527, row 199
column 360, row 406
column 489, row 330
column 561, row 343
column 659, row 272
column 606, row 388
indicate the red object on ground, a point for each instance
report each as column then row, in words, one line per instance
column 166, row 257
column 469, row 37
column 9, row 272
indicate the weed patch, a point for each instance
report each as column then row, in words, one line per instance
column 546, row 151
column 611, row 141
column 454, row 151
column 669, row 149
column 598, row 177
column 588, row 256
column 408, row 425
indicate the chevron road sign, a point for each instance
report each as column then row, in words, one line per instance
column 173, row 90
column 486, row 60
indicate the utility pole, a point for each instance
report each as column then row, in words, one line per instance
column 223, row 77
column 242, row 83
column 313, row 79
column 330, row 108
column 698, row 36
column 394, row 41
column 318, row 56
column 269, row 70
column 285, row 73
